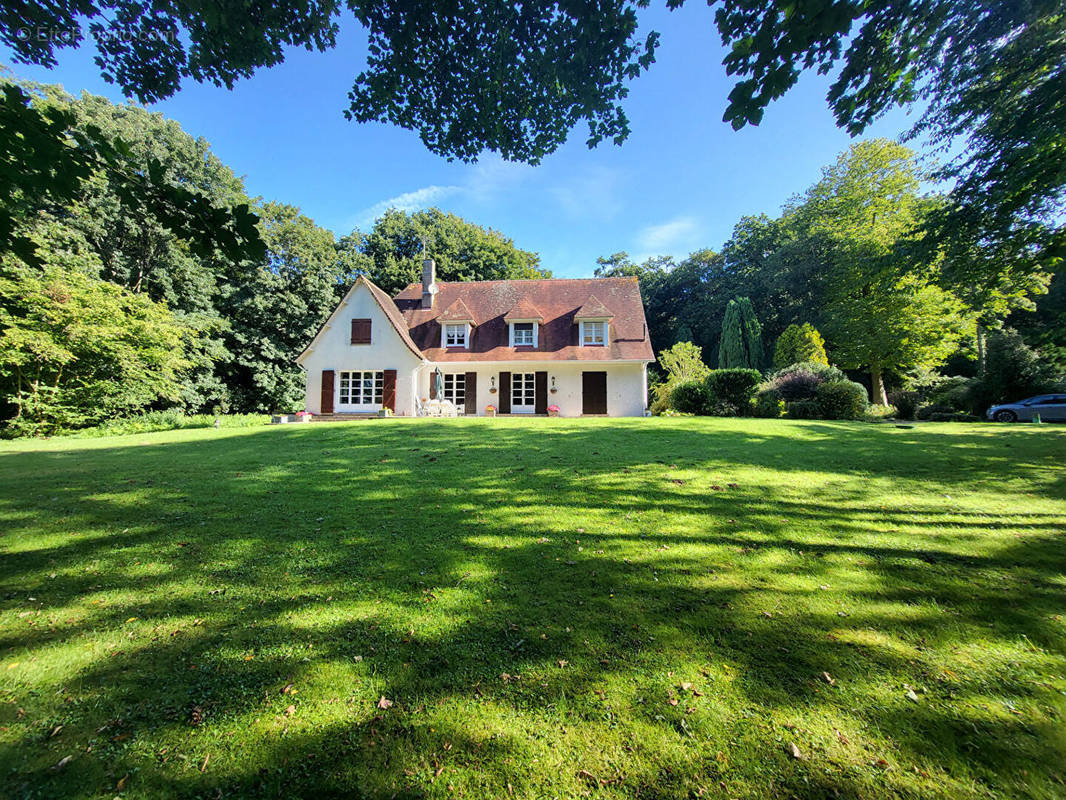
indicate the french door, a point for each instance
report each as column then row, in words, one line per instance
column 523, row 392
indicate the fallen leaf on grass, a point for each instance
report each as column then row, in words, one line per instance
column 795, row 751
column 290, row 711
column 121, row 783
column 384, row 702
column 828, row 679
column 288, row 688
column 911, row 695
column 63, row 762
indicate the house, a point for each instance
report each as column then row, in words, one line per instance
column 518, row 345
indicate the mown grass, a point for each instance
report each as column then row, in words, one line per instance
column 654, row 608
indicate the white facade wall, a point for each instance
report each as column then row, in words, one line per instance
column 626, row 383
column 334, row 350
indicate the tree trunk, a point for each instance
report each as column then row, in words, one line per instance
column 878, row 396
column 981, row 354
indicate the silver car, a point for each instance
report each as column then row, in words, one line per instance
column 1050, row 407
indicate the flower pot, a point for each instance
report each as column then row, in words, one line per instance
column 553, row 413
column 490, row 412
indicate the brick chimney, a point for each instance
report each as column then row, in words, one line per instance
column 429, row 282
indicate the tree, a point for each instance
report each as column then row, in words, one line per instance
column 741, row 341
column 46, row 157
column 876, row 316
column 799, row 343
column 75, row 350
column 463, row 251
column 513, row 78
column 274, row 308
column 683, row 363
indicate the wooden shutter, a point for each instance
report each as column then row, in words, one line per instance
column 433, row 385
column 388, row 390
column 360, row 331
column 471, row 393
column 326, row 404
column 505, row 393
column 593, row 392
column 540, row 394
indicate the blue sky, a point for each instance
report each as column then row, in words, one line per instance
column 680, row 182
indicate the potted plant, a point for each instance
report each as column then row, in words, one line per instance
column 303, row 416
column 553, row 410
column 385, row 412
column 490, row 410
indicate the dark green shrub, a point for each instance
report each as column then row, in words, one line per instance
column 952, row 416
column 927, row 411
column 722, row 408
column 690, row 397
column 769, row 404
column 804, row 409
column 841, row 400
column 906, row 403
column 801, row 381
column 735, row 387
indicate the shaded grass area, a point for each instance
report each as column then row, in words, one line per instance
column 660, row 608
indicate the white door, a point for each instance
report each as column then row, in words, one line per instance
column 360, row 391
column 523, row 392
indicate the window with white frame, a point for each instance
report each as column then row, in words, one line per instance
column 455, row 334
column 523, row 334
column 361, row 388
column 593, row 333
column 455, row 388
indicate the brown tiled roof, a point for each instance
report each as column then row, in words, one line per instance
column 524, row 311
column 456, row 312
column 593, row 309
column 557, row 300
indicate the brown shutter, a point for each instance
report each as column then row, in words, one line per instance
column 471, row 393
column 505, row 393
column 360, row 331
column 540, row 392
column 388, row 390
column 433, row 385
column 326, row 404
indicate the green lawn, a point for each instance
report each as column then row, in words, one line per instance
column 662, row 608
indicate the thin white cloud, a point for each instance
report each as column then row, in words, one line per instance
column 594, row 192
column 407, row 202
column 674, row 237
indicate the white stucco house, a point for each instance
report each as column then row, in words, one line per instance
column 518, row 345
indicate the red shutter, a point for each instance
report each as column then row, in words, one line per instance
column 471, row 393
column 540, row 392
column 388, row 390
column 326, row 403
column 360, row 331
column 433, row 385
column 505, row 393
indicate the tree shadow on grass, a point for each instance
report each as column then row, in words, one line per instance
column 531, row 601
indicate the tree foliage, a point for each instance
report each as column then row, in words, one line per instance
column 799, row 343
column 741, row 342
column 76, row 350
column 682, row 363
column 463, row 251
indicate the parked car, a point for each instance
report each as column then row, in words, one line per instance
column 1050, row 407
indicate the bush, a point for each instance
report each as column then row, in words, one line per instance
column 803, row 409
column 690, row 397
column 801, row 381
column 799, row 343
column 734, row 387
column 906, row 403
column 769, row 404
column 172, row 419
column 722, row 408
column 952, row 416
column 928, row 410
column 879, row 412
column 842, row 400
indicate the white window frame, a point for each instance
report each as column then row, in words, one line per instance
column 536, row 332
column 455, row 389
column 524, row 386
column 444, row 334
column 606, row 337
column 361, row 389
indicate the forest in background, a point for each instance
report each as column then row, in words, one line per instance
column 121, row 313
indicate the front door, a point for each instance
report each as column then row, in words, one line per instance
column 523, row 392
column 593, row 392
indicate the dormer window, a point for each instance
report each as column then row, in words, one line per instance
column 593, row 333
column 523, row 334
column 456, row 334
